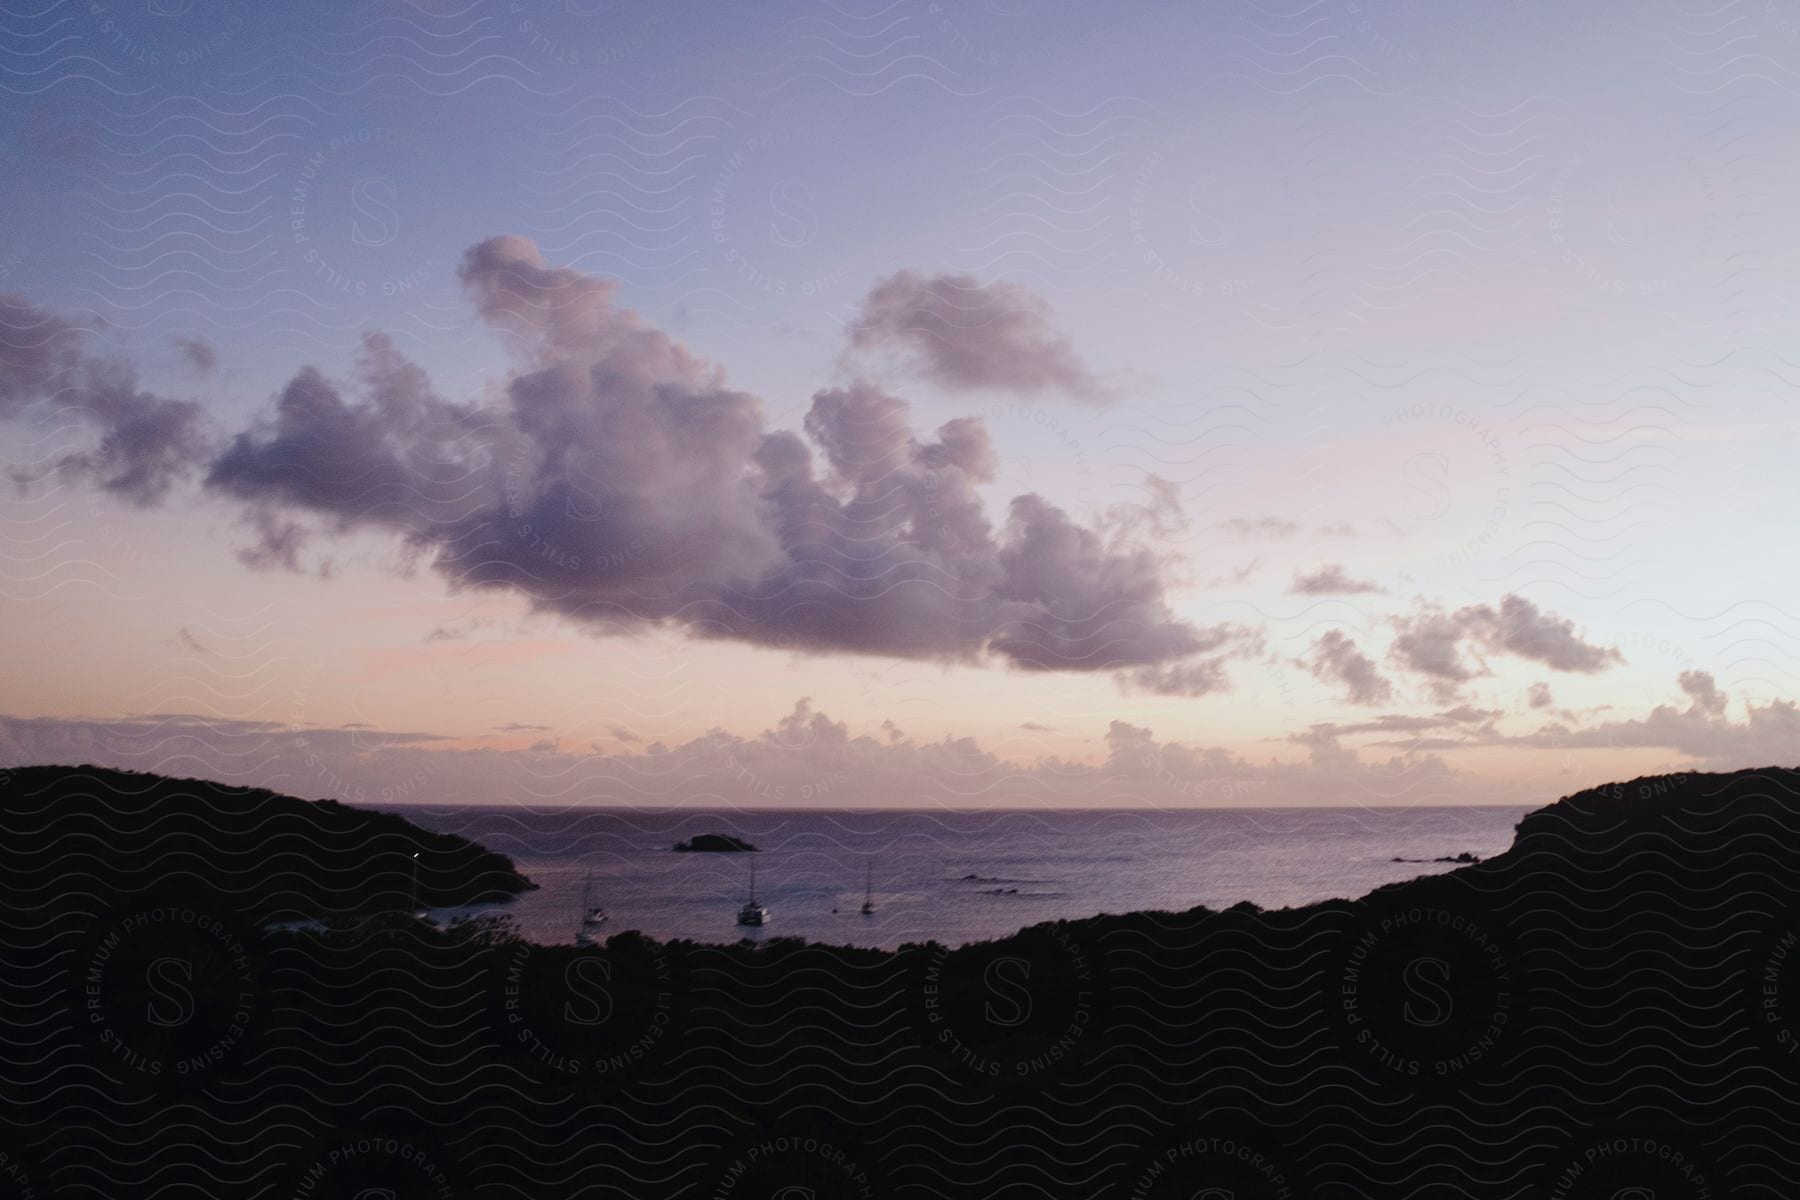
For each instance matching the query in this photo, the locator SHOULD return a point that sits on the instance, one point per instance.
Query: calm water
(950, 876)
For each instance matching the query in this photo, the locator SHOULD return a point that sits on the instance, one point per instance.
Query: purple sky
(595, 401)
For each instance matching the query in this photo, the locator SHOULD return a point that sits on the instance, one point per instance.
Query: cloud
(1700, 688)
(143, 444)
(1330, 580)
(38, 351)
(198, 353)
(397, 458)
(623, 484)
(189, 642)
(1703, 730)
(1521, 628)
(1260, 527)
(1396, 724)
(1432, 643)
(1539, 695)
(804, 758)
(1335, 659)
(964, 335)
(1201, 676)
(1269, 528)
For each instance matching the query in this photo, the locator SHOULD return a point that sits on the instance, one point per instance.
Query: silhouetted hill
(1608, 1010)
(85, 836)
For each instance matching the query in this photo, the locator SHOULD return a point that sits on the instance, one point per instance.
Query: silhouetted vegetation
(265, 856)
(1614, 1003)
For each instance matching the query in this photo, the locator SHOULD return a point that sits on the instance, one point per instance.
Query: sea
(947, 876)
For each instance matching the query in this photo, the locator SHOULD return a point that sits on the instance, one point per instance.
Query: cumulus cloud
(1430, 644)
(1707, 699)
(1330, 580)
(622, 484)
(141, 444)
(963, 335)
(395, 457)
(1539, 696)
(1521, 628)
(804, 758)
(1336, 660)
(1439, 646)
(1703, 730)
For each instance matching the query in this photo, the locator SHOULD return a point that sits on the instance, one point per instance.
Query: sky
(905, 403)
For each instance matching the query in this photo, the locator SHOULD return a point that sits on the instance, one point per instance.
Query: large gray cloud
(623, 483)
(962, 334)
(141, 444)
(397, 457)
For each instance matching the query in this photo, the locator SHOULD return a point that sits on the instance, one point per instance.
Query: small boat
(752, 913)
(419, 911)
(592, 916)
(868, 907)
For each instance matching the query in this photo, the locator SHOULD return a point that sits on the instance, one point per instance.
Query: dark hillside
(1609, 1009)
(76, 837)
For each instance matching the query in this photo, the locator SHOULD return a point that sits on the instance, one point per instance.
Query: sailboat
(419, 911)
(592, 915)
(752, 913)
(868, 907)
